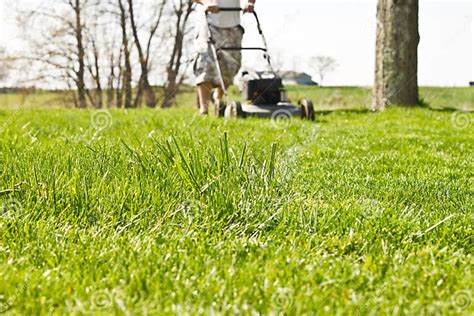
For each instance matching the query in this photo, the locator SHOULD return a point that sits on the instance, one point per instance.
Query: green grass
(139, 212)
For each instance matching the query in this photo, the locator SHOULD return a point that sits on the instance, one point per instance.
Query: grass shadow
(358, 110)
(448, 110)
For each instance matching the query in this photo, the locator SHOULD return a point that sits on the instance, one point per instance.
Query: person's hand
(211, 7)
(249, 7)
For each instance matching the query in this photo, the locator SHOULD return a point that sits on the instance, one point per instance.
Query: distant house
(297, 78)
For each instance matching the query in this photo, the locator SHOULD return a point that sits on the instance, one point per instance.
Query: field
(152, 211)
(327, 98)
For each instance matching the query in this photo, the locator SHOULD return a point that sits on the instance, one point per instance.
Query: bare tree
(95, 69)
(396, 73)
(278, 61)
(144, 86)
(182, 11)
(127, 71)
(94, 48)
(119, 90)
(58, 44)
(116, 44)
(322, 66)
(77, 28)
(113, 79)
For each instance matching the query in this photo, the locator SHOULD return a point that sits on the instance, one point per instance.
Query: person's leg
(219, 101)
(220, 94)
(204, 92)
(205, 67)
(230, 61)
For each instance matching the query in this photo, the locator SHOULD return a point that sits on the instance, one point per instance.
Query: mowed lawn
(152, 211)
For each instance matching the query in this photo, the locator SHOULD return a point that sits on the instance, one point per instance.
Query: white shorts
(205, 65)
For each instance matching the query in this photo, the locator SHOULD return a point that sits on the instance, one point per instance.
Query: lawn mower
(264, 92)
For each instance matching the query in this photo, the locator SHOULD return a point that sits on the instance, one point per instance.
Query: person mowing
(227, 32)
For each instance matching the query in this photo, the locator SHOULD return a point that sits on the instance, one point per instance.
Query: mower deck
(270, 110)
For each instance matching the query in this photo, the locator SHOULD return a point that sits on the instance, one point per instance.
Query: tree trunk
(111, 81)
(95, 73)
(182, 13)
(396, 69)
(100, 98)
(171, 89)
(144, 86)
(119, 91)
(81, 86)
(127, 72)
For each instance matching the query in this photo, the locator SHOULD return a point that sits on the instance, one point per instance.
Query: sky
(344, 29)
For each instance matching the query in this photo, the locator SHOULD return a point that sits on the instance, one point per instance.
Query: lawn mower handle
(230, 9)
(215, 50)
